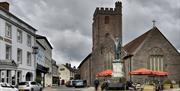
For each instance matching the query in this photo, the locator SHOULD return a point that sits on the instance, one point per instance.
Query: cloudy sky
(68, 23)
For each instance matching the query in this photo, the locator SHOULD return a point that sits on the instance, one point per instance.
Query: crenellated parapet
(109, 11)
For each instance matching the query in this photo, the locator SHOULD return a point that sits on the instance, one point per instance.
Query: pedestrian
(104, 85)
(96, 84)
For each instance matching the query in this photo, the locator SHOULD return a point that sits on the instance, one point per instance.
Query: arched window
(106, 20)
(156, 59)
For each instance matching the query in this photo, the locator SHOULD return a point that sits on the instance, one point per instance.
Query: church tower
(106, 22)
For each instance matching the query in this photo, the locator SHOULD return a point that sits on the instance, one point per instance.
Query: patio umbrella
(141, 71)
(104, 73)
(160, 73)
(107, 72)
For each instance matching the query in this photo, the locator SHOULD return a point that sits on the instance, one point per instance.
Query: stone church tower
(107, 23)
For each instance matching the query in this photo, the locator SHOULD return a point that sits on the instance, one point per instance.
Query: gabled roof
(70, 68)
(132, 46)
(84, 60)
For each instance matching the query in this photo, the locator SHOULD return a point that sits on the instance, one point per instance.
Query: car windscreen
(23, 83)
(33, 83)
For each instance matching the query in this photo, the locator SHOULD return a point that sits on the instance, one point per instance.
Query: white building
(66, 73)
(17, 39)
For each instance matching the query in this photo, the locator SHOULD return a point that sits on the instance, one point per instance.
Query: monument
(116, 81)
(117, 63)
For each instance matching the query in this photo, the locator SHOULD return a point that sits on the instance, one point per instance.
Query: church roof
(132, 46)
(85, 60)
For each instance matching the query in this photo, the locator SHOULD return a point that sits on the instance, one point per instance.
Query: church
(151, 50)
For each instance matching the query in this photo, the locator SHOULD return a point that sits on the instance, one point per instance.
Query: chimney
(4, 5)
(67, 64)
(70, 65)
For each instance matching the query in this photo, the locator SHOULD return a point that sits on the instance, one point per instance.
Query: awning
(8, 64)
(42, 68)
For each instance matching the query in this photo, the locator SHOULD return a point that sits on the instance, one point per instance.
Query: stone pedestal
(116, 81)
(117, 69)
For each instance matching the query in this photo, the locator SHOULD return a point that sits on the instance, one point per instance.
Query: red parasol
(104, 73)
(141, 71)
(160, 73)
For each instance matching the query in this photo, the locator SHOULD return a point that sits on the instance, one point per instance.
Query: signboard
(40, 57)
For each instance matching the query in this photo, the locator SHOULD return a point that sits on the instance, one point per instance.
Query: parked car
(80, 83)
(7, 87)
(29, 86)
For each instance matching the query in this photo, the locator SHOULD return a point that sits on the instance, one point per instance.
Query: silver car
(29, 86)
(7, 87)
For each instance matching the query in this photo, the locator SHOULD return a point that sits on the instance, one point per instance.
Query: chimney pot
(4, 5)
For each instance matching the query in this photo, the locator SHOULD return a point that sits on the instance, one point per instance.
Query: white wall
(23, 67)
(65, 74)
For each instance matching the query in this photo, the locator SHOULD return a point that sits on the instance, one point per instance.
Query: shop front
(40, 74)
(8, 72)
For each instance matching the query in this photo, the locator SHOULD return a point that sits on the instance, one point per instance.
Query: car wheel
(40, 89)
(32, 89)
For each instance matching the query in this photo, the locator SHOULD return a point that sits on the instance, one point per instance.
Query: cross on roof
(154, 23)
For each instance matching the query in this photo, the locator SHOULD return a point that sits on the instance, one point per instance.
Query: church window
(156, 62)
(106, 21)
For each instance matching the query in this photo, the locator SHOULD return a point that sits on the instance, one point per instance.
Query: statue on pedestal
(117, 64)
